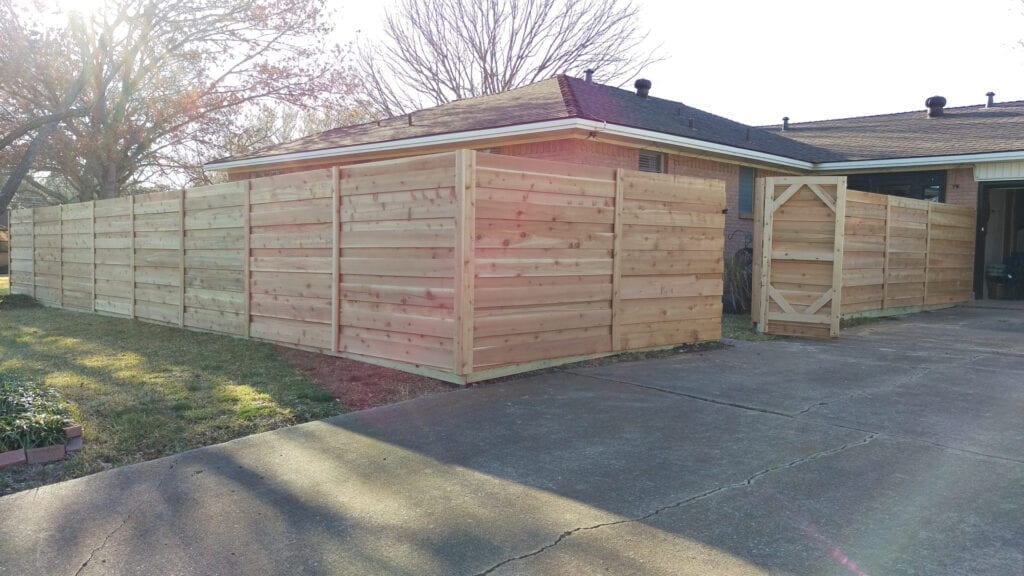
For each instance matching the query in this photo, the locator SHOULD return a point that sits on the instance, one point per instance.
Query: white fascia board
(694, 144)
(920, 161)
(518, 130)
(434, 140)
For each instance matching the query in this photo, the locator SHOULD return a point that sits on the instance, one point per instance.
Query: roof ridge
(572, 104)
(915, 111)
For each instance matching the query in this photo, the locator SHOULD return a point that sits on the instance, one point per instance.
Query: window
(921, 185)
(651, 161)
(746, 194)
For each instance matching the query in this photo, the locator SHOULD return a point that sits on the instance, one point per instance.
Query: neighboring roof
(625, 108)
(560, 97)
(962, 130)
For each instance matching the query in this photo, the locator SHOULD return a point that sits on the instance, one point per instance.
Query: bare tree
(436, 51)
(159, 84)
(37, 92)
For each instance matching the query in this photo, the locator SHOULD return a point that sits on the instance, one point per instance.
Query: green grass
(144, 391)
(738, 327)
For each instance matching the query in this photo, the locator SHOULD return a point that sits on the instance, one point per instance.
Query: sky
(757, 61)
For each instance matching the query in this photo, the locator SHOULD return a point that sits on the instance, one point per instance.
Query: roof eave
(919, 161)
(513, 131)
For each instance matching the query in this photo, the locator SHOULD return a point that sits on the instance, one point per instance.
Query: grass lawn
(5, 285)
(144, 391)
(738, 327)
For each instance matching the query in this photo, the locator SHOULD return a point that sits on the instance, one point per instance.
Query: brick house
(971, 155)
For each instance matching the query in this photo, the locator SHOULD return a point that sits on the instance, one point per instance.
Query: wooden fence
(5, 256)
(823, 253)
(462, 266)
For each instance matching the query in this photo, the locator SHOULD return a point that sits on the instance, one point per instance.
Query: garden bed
(35, 424)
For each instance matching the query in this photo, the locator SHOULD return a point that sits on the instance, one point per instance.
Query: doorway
(999, 260)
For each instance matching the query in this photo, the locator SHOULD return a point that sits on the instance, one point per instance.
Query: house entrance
(999, 265)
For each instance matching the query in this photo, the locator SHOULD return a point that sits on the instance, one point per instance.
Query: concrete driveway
(898, 449)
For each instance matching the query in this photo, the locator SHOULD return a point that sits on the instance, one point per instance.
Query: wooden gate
(798, 258)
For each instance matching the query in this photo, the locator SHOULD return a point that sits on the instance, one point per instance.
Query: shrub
(31, 416)
(13, 301)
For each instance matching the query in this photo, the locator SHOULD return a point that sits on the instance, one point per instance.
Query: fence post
(92, 236)
(927, 254)
(465, 259)
(755, 264)
(60, 255)
(131, 256)
(887, 236)
(617, 263)
(765, 222)
(181, 260)
(335, 256)
(33, 245)
(837, 256)
(246, 264)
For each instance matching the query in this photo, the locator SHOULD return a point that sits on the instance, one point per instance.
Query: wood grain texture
(453, 264)
(897, 254)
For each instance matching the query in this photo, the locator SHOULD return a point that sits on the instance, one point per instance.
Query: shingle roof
(533, 103)
(625, 108)
(962, 130)
(911, 134)
(556, 98)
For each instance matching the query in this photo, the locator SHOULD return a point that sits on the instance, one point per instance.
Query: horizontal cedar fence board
(560, 260)
(898, 254)
(543, 241)
(669, 261)
(445, 264)
(397, 272)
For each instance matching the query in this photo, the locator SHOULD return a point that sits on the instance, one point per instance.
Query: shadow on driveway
(787, 457)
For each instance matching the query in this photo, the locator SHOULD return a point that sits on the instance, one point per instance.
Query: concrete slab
(450, 484)
(887, 506)
(895, 450)
(783, 377)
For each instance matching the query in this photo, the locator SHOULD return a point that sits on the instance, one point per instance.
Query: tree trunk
(24, 165)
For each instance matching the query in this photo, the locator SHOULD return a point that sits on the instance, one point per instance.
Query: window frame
(661, 158)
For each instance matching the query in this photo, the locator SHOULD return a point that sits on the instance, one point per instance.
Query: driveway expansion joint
(683, 394)
(124, 522)
(750, 480)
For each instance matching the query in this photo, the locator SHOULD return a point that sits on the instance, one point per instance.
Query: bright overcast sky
(757, 61)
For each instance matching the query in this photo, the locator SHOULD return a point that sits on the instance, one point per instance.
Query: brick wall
(961, 189)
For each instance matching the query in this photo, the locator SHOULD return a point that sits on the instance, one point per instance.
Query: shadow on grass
(144, 391)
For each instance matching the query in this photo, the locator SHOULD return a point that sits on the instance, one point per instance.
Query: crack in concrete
(684, 502)
(684, 394)
(794, 416)
(866, 393)
(123, 523)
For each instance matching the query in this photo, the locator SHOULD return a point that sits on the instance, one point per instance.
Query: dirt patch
(359, 385)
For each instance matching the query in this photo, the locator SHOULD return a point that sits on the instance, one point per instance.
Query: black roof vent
(935, 105)
(991, 99)
(643, 87)
(785, 123)
(589, 73)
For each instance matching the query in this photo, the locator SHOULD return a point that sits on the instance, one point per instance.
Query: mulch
(358, 385)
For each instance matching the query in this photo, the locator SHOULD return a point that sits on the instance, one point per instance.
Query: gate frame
(763, 227)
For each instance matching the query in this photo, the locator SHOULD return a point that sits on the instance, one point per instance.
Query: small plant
(738, 275)
(31, 416)
(41, 430)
